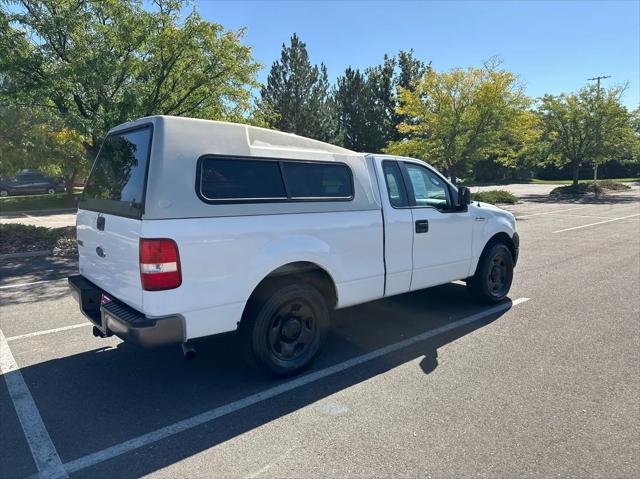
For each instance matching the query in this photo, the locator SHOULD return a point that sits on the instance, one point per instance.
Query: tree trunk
(576, 172)
(69, 182)
(452, 175)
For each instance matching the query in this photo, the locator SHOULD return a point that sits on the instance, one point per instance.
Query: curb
(28, 254)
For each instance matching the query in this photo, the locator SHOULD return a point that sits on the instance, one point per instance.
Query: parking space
(428, 383)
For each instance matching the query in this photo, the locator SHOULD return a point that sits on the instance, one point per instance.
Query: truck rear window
(117, 181)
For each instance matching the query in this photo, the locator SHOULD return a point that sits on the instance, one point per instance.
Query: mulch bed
(17, 238)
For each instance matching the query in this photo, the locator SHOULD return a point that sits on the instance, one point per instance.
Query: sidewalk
(48, 218)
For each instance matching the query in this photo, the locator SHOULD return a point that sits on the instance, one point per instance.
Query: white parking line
(43, 451)
(577, 216)
(186, 424)
(551, 212)
(21, 285)
(49, 331)
(598, 223)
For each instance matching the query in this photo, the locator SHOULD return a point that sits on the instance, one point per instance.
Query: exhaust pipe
(188, 351)
(97, 333)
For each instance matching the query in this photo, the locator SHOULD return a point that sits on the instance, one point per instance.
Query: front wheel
(494, 274)
(284, 326)
(4, 193)
(51, 191)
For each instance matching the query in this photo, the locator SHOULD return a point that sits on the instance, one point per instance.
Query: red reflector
(159, 264)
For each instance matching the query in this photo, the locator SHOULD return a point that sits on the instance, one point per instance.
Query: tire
(494, 274)
(283, 327)
(4, 193)
(51, 191)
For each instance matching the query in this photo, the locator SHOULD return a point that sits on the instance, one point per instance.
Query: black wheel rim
(292, 330)
(498, 275)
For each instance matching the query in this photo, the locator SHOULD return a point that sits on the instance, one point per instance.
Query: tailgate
(109, 256)
(110, 214)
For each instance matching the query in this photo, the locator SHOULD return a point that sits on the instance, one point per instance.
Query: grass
(18, 238)
(495, 197)
(584, 188)
(38, 202)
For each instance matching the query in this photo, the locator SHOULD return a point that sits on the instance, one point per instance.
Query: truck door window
(428, 188)
(395, 185)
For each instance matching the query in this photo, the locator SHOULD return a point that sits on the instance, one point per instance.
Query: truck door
(398, 228)
(442, 235)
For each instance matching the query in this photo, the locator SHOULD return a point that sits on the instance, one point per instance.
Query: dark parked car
(30, 183)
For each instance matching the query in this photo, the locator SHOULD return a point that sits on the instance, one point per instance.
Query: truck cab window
(395, 186)
(428, 188)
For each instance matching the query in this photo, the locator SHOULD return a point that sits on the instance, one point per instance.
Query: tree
(381, 108)
(296, 96)
(519, 146)
(364, 107)
(591, 126)
(101, 63)
(459, 116)
(411, 70)
(350, 97)
(35, 139)
(365, 104)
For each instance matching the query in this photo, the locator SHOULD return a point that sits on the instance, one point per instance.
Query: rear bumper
(115, 317)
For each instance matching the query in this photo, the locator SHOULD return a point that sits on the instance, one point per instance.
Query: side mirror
(464, 196)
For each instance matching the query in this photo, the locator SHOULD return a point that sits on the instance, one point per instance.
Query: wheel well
(503, 238)
(302, 271)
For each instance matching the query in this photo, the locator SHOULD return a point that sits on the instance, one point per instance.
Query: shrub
(495, 196)
(581, 189)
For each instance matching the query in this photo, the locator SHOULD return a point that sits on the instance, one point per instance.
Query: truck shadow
(95, 399)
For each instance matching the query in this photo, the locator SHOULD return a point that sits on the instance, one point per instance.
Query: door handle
(422, 226)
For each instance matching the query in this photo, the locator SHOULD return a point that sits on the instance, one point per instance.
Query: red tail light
(159, 264)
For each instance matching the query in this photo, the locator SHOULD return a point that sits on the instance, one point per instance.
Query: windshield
(117, 181)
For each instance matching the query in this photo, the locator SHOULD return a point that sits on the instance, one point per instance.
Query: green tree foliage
(590, 127)
(351, 97)
(98, 63)
(365, 104)
(381, 107)
(460, 116)
(296, 96)
(36, 139)
(410, 71)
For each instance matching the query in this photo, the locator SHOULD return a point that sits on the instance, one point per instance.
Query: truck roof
(253, 136)
(179, 144)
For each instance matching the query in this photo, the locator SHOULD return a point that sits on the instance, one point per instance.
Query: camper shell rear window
(224, 180)
(117, 182)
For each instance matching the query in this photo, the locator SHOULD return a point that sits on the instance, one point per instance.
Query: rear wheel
(284, 326)
(4, 193)
(494, 274)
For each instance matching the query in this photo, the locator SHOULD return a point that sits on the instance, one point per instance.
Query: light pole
(598, 133)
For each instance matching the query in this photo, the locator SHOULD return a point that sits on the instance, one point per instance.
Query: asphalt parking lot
(425, 384)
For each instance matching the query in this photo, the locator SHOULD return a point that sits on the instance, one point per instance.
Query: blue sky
(554, 46)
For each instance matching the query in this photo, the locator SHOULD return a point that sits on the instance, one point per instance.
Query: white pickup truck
(189, 228)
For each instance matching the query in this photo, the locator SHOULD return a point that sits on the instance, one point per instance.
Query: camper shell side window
(228, 180)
